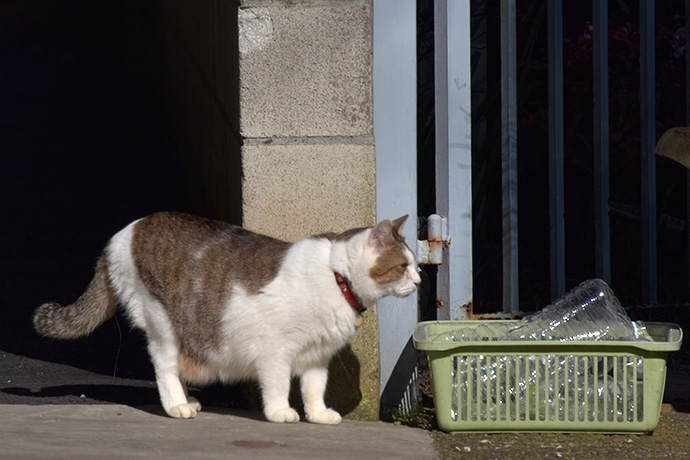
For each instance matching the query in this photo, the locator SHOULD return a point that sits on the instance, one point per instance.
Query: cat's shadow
(242, 399)
(140, 398)
(85, 394)
(240, 413)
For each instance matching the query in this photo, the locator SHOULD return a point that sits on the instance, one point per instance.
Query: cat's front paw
(183, 411)
(326, 417)
(286, 415)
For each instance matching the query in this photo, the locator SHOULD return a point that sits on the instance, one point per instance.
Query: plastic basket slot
(547, 387)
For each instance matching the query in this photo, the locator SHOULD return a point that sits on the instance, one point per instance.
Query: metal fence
(395, 128)
(601, 143)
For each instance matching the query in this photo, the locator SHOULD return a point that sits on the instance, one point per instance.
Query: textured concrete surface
(305, 69)
(114, 432)
(57, 411)
(293, 191)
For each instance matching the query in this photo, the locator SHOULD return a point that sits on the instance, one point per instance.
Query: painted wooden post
(395, 133)
(454, 152)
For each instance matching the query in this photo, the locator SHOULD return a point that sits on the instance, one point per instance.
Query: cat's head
(382, 264)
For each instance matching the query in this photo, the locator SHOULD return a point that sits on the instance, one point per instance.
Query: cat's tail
(96, 304)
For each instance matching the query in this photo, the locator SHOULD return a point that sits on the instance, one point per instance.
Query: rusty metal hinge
(430, 251)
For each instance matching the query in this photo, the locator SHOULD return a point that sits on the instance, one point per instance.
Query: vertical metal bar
(395, 125)
(556, 178)
(687, 123)
(454, 151)
(648, 160)
(602, 227)
(509, 169)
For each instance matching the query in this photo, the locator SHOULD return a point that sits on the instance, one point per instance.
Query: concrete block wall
(308, 151)
(272, 102)
(306, 114)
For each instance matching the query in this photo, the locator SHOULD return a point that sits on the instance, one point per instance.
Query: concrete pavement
(122, 432)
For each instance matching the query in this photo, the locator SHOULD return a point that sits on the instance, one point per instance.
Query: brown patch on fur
(392, 263)
(191, 265)
(390, 266)
(190, 370)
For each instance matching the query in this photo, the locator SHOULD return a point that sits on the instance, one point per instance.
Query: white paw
(196, 405)
(182, 411)
(326, 417)
(286, 415)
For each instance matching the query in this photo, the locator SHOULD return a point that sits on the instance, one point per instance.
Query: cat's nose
(416, 279)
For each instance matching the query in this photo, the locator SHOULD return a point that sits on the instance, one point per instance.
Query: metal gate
(395, 125)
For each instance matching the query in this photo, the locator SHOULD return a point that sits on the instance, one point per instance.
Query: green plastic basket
(496, 386)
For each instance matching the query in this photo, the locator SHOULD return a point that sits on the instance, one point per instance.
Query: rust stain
(255, 443)
(469, 313)
(468, 307)
(491, 316)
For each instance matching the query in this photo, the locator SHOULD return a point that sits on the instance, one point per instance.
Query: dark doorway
(85, 148)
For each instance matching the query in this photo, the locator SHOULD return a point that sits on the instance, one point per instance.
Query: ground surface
(670, 440)
(30, 381)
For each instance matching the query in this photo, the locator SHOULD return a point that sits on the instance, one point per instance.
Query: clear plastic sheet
(590, 312)
(548, 387)
(553, 387)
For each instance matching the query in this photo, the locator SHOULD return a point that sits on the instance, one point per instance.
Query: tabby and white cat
(220, 303)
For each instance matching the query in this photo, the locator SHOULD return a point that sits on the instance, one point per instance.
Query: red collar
(349, 295)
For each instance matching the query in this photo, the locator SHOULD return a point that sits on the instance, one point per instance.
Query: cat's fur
(218, 302)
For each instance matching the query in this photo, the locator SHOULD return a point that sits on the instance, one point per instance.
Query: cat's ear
(398, 224)
(381, 234)
(385, 231)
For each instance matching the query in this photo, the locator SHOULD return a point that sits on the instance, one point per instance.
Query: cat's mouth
(406, 291)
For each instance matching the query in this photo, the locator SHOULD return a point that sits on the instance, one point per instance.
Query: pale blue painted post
(454, 152)
(395, 128)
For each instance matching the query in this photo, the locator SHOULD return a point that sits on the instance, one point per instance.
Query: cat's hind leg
(190, 371)
(313, 382)
(173, 392)
(191, 400)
